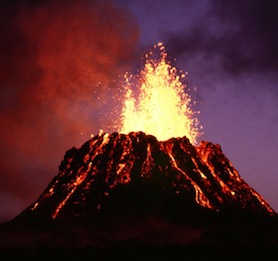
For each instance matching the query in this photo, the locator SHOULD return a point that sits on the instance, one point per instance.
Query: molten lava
(117, 163)
(162, 107)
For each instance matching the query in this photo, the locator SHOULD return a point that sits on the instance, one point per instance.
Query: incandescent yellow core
(161, 106)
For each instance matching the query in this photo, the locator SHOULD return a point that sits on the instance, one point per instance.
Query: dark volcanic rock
(122, 187)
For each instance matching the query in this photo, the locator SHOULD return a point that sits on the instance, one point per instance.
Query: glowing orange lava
(162, 107)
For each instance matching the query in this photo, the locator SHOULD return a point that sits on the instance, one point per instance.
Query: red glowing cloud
(53, 55)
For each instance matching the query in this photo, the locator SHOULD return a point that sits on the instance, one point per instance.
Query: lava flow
(92, 176)
(163, 105)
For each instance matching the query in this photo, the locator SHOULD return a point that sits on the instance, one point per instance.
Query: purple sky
(55, 53)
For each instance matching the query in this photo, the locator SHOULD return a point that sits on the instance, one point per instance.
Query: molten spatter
(163, 105)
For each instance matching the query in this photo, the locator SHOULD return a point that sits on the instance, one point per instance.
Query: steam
(54, 55)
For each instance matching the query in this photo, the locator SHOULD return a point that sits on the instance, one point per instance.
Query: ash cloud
(241, 36)
(53, 56)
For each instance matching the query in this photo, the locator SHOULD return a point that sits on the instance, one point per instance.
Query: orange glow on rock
(162, 107)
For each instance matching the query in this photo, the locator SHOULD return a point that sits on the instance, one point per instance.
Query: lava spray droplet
(157, 101)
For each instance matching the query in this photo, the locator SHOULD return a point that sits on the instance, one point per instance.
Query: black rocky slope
(134, 187)
(200, 176)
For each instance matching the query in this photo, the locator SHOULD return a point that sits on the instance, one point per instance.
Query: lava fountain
(162, 106)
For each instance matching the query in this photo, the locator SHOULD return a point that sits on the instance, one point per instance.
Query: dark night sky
(55, 53)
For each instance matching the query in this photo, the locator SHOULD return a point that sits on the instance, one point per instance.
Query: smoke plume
(54, 55)
(233, 37)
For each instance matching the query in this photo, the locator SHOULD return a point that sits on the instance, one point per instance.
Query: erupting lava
(162, 107)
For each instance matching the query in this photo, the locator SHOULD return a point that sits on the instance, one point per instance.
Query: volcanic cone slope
(119, 187)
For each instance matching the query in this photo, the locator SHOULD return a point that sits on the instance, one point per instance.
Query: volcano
(123, 187)
(137, 169)
(132, 195)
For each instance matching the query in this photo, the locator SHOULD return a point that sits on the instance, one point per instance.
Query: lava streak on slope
(199, 176)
